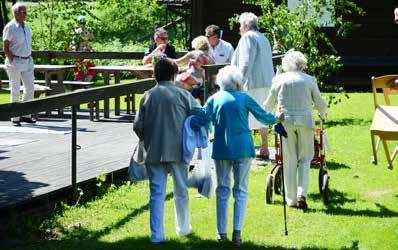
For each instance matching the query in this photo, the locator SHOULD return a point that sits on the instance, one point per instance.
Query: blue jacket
(229, 110)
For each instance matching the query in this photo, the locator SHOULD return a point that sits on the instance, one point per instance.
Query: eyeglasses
(163, 38)
(210, 36)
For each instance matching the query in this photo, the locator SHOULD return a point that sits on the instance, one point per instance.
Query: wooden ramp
(35, 160)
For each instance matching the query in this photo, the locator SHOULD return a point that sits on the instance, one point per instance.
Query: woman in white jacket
(293, 93)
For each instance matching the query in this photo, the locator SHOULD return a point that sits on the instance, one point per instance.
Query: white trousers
(158, 180)
(241, 170)
(20, 69)
(298, 151)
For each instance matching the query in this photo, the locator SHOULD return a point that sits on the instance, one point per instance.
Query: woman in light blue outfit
(233, 147)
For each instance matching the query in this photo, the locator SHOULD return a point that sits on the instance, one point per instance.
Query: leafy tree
(53, 22)
(302, 30)
(128, 19)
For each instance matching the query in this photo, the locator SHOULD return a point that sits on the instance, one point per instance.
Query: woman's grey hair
(158, 32)
(294, 61)
(16, 7)
(229, 77)
(201, 43)
(249, 20)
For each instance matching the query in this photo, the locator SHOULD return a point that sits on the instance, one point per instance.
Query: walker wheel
(322, 171)
(268, 190)
(278, 180)
(325, 193)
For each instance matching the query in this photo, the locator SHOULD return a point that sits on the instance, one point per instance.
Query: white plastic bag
(203, 176)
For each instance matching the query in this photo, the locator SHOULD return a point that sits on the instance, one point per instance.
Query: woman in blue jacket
(233, 147)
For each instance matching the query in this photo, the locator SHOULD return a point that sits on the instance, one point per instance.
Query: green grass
(363, 213)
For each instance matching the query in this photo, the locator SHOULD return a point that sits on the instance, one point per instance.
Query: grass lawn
(363, 212)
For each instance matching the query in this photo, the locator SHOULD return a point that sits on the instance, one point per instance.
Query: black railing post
(74, 149)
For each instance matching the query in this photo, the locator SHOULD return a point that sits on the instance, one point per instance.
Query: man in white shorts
(17, 44)
(253, 56)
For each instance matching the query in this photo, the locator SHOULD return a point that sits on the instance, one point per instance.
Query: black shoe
(16, 123)
(236, 239)
(222, 238)
(27, 120)
(301, 203)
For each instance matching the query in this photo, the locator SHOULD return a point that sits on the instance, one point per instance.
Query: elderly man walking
(159, 123)
(17, 44)
(253, 57)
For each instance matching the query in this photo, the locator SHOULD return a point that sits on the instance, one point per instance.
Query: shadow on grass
(383, 211)
(335, 165)
(346, 121)
(192, 242)
(337, 198)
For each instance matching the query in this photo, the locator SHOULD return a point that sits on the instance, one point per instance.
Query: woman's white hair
(249, 20)
(294, 61)
(16, 7)
(229, 77)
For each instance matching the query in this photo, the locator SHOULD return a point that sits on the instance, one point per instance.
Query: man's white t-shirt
(222, 53)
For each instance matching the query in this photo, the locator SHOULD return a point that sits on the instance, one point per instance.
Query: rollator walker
(274, 179)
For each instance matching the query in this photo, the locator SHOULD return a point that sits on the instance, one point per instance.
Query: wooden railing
(73, 99)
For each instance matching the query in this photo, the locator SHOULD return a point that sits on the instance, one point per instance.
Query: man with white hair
(292, 93)
(253, 57)
(17, 44)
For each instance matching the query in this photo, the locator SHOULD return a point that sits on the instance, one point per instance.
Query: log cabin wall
(206, 12)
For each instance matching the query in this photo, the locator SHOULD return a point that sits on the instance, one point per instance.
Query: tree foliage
(54, 22)
(302, 30)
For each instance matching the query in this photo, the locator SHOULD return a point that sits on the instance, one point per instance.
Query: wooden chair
(385, 119)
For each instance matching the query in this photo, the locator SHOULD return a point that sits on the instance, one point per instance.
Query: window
(325, 20)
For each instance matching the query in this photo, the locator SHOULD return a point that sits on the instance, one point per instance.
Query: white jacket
(293, 94)
(253, 56)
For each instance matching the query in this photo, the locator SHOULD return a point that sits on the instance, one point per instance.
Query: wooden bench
(75, 85)
(39, 90)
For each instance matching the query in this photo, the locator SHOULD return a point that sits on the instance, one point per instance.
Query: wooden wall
(206, 12)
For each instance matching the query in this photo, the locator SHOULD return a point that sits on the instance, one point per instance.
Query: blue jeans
(240, 169)
(158, 180)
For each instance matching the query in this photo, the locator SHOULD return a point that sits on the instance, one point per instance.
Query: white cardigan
(293, 94)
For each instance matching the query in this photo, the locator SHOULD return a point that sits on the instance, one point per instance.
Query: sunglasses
(164, 38)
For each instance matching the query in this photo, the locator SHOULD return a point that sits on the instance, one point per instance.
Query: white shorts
(259, 95)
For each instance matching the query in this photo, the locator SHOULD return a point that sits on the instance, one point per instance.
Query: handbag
(137, 170)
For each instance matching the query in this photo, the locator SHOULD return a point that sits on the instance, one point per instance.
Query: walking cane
(282, 133)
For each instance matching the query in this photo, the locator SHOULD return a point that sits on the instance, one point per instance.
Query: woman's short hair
(229, 77)
(200, 43)
(249, 20)
(294, 61)
(165, 70)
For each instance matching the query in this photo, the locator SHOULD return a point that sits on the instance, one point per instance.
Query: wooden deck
(41, 163)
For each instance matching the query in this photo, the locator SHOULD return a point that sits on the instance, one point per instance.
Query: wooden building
(371, 49)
